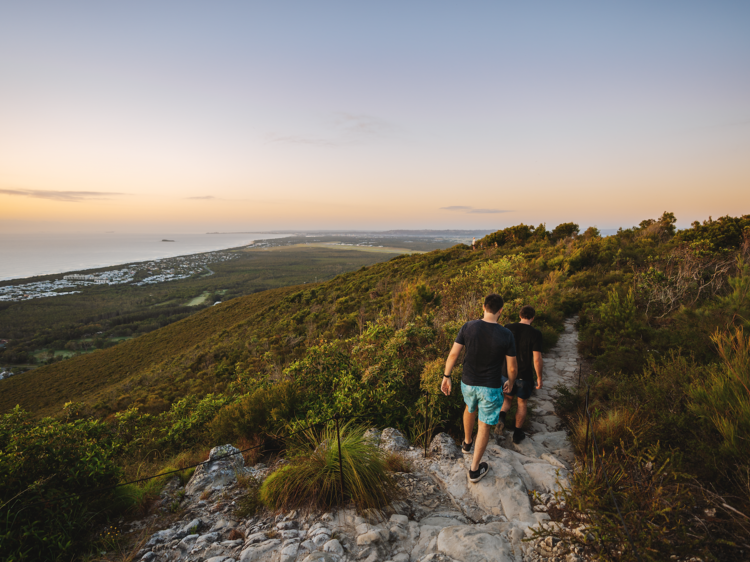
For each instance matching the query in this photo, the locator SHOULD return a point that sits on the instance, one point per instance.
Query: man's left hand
(446, 386)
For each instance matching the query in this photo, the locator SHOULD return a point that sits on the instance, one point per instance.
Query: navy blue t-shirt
(486, 347)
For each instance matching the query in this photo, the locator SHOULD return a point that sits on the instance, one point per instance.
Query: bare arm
(538, 367)
(512, 365)
(449, 364)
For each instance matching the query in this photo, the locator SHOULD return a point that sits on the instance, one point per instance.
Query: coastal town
(136, 274)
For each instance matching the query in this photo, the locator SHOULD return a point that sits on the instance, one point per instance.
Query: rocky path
(440, 516)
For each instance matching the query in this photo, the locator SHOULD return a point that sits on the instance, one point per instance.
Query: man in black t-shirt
(529, 354)
(489, 349)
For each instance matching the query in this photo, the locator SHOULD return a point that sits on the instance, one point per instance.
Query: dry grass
(253, 456)
(612, 428)
(397, 463)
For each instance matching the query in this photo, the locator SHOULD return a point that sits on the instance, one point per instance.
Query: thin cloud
(361, 125)
(202, 197)
(473, 211)
(66, 196)
(488, 211)
(345, 129)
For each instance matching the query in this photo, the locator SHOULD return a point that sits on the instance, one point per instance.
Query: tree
(564, 230)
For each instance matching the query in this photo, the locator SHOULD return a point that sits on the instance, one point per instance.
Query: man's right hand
(446, 386)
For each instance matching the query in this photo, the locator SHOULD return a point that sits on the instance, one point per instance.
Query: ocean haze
(29, 255)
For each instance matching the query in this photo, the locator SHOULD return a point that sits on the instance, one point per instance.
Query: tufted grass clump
(312, 478)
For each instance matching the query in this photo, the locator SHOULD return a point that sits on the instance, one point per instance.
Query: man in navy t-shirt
(530, 364)
(489, 348)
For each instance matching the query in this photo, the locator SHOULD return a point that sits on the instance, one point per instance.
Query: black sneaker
(477, 475)
(518, 436)
(466, 447)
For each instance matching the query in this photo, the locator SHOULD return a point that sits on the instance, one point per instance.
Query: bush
(313, 477)
(442, 410)
(187, 420)
(48, 470)
(724, 398)
(657, 506)
(261, 413)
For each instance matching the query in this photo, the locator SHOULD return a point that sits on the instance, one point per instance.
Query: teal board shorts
(488, 400)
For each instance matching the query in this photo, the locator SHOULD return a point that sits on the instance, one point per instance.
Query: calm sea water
(26, 255)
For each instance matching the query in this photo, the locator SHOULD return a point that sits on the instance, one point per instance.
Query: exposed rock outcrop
(225, 463)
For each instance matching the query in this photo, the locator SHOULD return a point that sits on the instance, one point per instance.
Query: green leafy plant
(49, 470)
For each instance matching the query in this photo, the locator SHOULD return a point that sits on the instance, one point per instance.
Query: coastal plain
(108, 307)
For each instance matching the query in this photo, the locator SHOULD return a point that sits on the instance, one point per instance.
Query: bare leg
(507, 403)
(483, 436)
(469, 420)
(520, 413)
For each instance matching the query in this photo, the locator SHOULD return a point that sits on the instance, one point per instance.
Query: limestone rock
(261, 551)
(443, 446)
(437, 557)
(289, 552)
(372, 435)
(546, 477)
(469, 544)
(218, 472)
(502, 492)
(393, 440)
(186, 544)
(333, 546)
(322, 557)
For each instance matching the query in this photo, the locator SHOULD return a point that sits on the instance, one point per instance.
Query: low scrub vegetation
(663, 318)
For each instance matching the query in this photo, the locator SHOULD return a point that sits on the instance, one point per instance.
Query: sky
(245, 116)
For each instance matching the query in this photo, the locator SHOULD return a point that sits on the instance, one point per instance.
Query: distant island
(165, 240)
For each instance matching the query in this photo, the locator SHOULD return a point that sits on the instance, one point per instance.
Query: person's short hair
(493, 303)
(527, 312)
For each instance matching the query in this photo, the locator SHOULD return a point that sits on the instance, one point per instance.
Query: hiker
(489, 347)
(529, 356)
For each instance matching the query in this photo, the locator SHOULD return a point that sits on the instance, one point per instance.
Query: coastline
(31, 258)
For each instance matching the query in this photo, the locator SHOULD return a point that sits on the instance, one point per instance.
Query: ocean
(27, 255)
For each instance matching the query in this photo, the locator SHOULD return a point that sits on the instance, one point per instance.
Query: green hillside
(662, 320)
(199, 354)
(96, 376)
(40, 330)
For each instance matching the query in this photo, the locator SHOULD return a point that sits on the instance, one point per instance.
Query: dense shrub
(263, 412)
(187, 420)
(48, 470)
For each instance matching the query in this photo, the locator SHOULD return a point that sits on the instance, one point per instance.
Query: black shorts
(521, 389)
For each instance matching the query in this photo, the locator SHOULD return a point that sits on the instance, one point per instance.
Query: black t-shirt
(486, 347)
(528, 340)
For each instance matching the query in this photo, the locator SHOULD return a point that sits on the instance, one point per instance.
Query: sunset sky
(227, 116)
